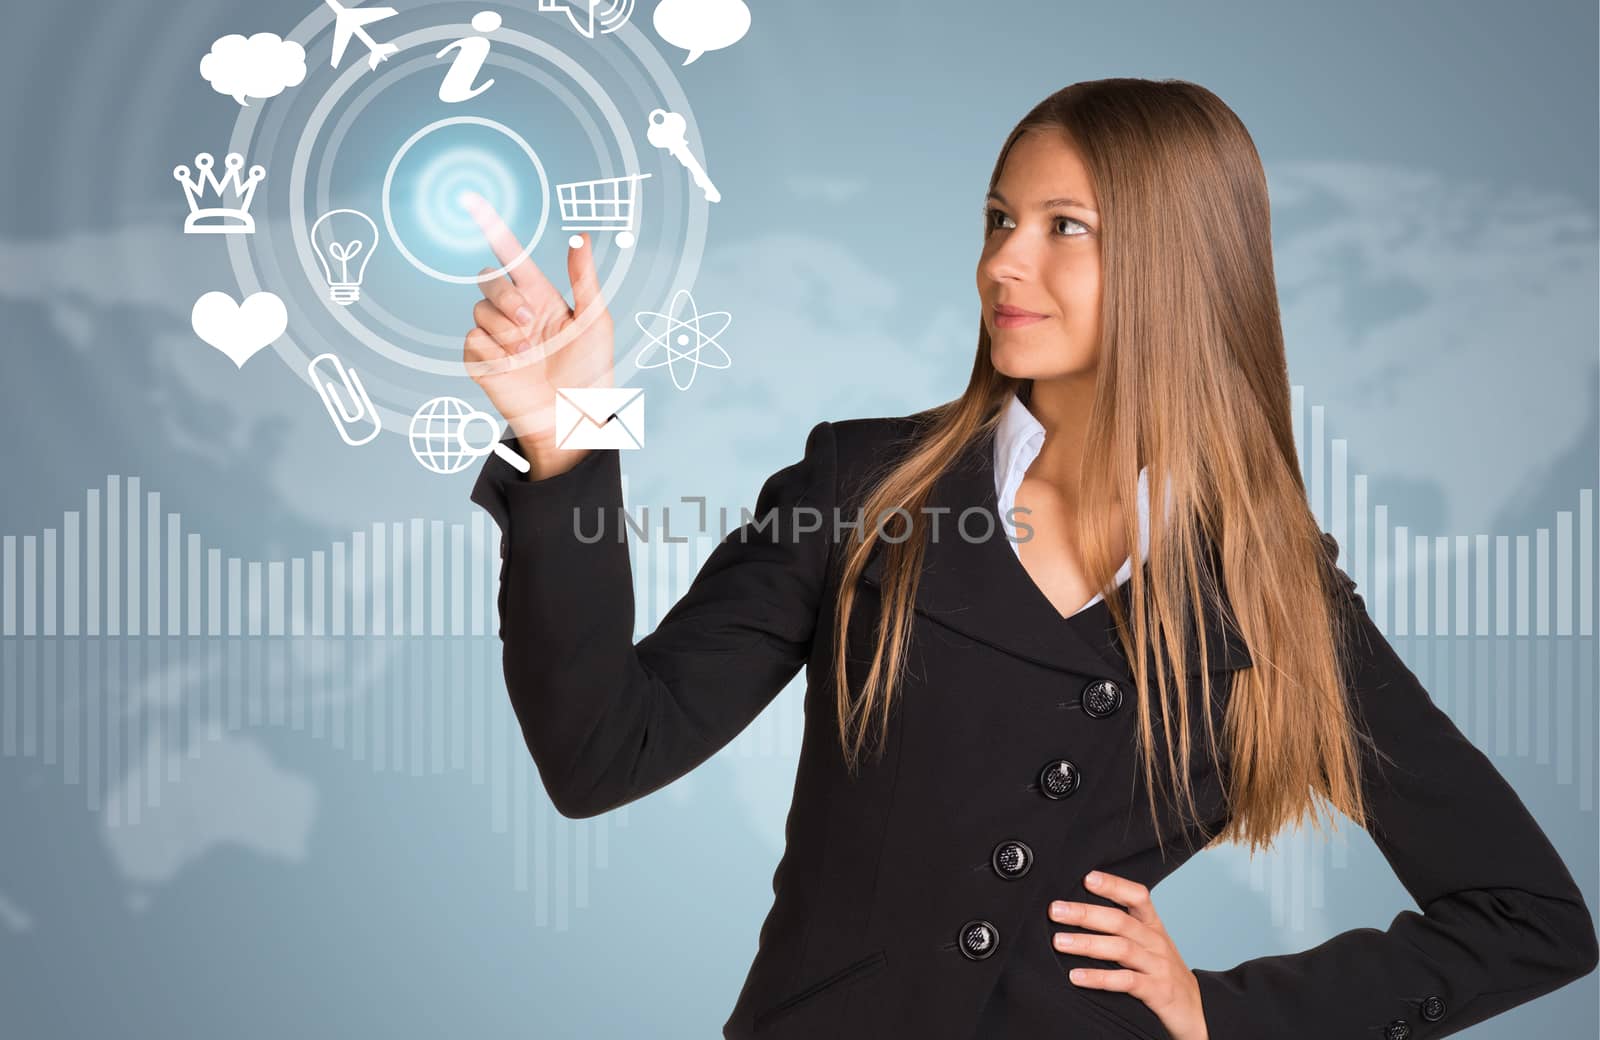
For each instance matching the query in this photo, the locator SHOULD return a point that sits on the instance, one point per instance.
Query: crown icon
(231, 186)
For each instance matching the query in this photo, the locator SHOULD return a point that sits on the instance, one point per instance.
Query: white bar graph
(69, 574)
(114, 567)
(1506, 619)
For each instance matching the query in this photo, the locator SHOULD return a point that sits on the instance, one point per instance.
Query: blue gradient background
(1434, 175)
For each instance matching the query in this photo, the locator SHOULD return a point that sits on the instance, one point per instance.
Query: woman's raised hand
(526, 340)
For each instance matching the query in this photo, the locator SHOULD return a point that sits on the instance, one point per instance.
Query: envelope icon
(600, 417)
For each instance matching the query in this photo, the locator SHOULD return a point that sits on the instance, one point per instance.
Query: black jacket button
(979, 939)
(1433, 1009)
(1012, 859)
(1101, 698)
(1059, 779)
(1397, 1030)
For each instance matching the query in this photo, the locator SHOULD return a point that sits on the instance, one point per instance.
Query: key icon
(667, 131)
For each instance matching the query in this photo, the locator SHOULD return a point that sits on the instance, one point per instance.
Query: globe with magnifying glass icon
(448, 435)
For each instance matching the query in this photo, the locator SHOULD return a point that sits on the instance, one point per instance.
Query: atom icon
(675, 333)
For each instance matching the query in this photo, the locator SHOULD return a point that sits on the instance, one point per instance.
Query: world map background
(1433, 177)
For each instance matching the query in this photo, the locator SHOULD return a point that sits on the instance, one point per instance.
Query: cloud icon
(702, 25)
(263, 66)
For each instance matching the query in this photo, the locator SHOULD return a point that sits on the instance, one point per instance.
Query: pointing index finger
(525, 274)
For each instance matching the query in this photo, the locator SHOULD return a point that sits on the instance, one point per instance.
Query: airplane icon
(349, 21)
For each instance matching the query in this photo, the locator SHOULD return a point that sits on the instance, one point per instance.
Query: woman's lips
(1014, 318)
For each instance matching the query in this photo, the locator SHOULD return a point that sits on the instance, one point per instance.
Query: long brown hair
(1192, 382)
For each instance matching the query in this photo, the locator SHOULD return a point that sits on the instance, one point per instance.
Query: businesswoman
(1086, 625)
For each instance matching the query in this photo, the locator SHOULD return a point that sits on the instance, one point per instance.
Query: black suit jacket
(912, 900)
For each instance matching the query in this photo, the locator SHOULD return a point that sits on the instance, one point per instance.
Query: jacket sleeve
(609, 721)
(1502, 920)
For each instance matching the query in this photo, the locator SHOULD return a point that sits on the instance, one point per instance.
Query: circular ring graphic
(446, 176)
(319, 179)
(310, 132)
(517, 139)
(259, 262)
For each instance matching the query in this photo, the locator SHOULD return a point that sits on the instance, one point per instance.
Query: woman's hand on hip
(1135, 937)
(526, 341)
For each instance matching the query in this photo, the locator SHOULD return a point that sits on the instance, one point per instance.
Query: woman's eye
(1067, 227)
(989, 215)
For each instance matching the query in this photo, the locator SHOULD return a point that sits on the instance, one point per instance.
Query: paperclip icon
(332, 400)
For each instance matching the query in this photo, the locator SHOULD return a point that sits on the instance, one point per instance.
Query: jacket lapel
(976, 585)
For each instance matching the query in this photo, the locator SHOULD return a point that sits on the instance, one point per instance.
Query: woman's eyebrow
(1048, 203)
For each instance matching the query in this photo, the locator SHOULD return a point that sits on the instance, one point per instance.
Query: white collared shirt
(1016, 444)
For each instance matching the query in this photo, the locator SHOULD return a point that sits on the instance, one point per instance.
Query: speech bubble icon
(261, 66)
(702, 25)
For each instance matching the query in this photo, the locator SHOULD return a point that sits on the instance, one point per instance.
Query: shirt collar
(1017, 441)
(1018, 431)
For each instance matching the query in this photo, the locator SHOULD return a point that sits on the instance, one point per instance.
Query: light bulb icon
(345, 251)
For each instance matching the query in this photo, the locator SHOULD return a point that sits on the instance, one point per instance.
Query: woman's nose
(1011, 260)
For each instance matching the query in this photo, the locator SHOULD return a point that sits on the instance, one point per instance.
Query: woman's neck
(1062, 408)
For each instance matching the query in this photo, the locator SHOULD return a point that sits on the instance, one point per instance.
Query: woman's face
(1041, 254)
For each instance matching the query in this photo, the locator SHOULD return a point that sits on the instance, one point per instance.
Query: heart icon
(239, 330)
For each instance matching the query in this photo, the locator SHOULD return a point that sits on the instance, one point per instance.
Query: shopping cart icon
(603, 205)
